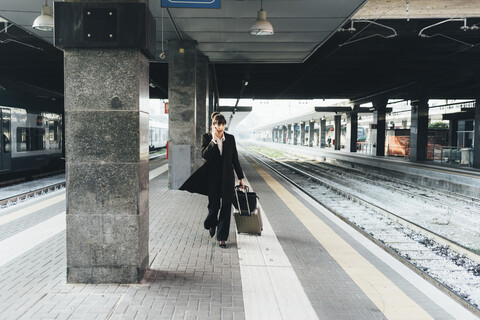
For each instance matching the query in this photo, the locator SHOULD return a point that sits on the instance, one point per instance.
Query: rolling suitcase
(249, 224)
(247, 221)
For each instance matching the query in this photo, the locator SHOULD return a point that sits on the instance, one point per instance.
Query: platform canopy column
(289, 134)
(107, 142)
(211, 95)
(302, 133)
(311, 131)
(452, 132)
(323, 133)
(419, 130)
(476, 137)
(295, 134)
(182, 133)
(379, 119)
(202, 115)
(352, 130)
(338, 127)
(202, 108)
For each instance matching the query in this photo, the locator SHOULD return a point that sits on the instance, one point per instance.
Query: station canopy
(351, 49)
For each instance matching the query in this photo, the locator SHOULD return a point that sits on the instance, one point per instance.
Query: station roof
(307, 58)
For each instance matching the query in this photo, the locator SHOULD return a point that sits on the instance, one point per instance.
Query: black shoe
(222, 245)
(212, 232)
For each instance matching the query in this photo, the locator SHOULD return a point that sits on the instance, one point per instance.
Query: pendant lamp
(44, 22)
(261, 27)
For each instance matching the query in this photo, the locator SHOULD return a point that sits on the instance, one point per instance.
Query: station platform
(459, 179)
(307, 264)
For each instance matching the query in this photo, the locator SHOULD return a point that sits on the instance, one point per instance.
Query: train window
(30, 139)
(54, 132)
(6, 131)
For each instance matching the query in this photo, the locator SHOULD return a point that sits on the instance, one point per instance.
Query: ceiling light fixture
(261, 27)
(44, 22)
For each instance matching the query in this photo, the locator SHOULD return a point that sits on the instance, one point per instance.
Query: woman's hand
(213, 131)
(241, 183)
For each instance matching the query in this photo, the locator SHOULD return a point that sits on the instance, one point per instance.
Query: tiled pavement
(190, 277)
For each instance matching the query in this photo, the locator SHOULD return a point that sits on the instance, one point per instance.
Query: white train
(33, 140)
(30, 140)
(158, 134)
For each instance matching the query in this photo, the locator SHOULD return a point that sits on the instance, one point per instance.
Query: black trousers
(214, 219)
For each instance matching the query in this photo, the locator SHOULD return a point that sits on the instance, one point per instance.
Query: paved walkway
(290, 272)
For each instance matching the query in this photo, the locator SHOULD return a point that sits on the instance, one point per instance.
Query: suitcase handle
(245, 190)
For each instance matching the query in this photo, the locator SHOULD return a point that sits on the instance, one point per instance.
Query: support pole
(181, 114)
(379, 118)
(338, 128)
(323, 133)
(476, 137)
(302, 133)
(419, 130)
(311, 131)
(352, 131)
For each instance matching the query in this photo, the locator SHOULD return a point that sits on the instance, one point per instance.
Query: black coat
(207, 174)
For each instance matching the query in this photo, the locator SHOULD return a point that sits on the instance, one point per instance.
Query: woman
(216, 179)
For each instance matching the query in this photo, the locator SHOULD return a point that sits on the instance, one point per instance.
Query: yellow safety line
(388, 298)
(31, 209)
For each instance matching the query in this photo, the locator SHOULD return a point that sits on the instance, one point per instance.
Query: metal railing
(453, 155)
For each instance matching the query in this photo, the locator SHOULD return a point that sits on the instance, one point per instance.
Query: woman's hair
(219, 119)
(214, 114)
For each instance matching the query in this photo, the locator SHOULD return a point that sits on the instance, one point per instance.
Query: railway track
(453, 266)
(398, 185)
(25, 195)
(13, 179)
(446, 215)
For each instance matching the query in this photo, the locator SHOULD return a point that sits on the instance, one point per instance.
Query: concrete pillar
(352, 131)
(211, 97)
(289, 133)
(302, 133)
(323, 133)
(273, 135)
(106, 147)
(419, 130)
(338, 128)
(181, 120)
(452, 132)
(311, 131)
(476, 136)
(284, 134)
(106, 118)
(295, 134)
(379, 118)
(202, 115)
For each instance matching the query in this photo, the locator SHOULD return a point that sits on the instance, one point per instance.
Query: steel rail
(356, 174)
(25, 195)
